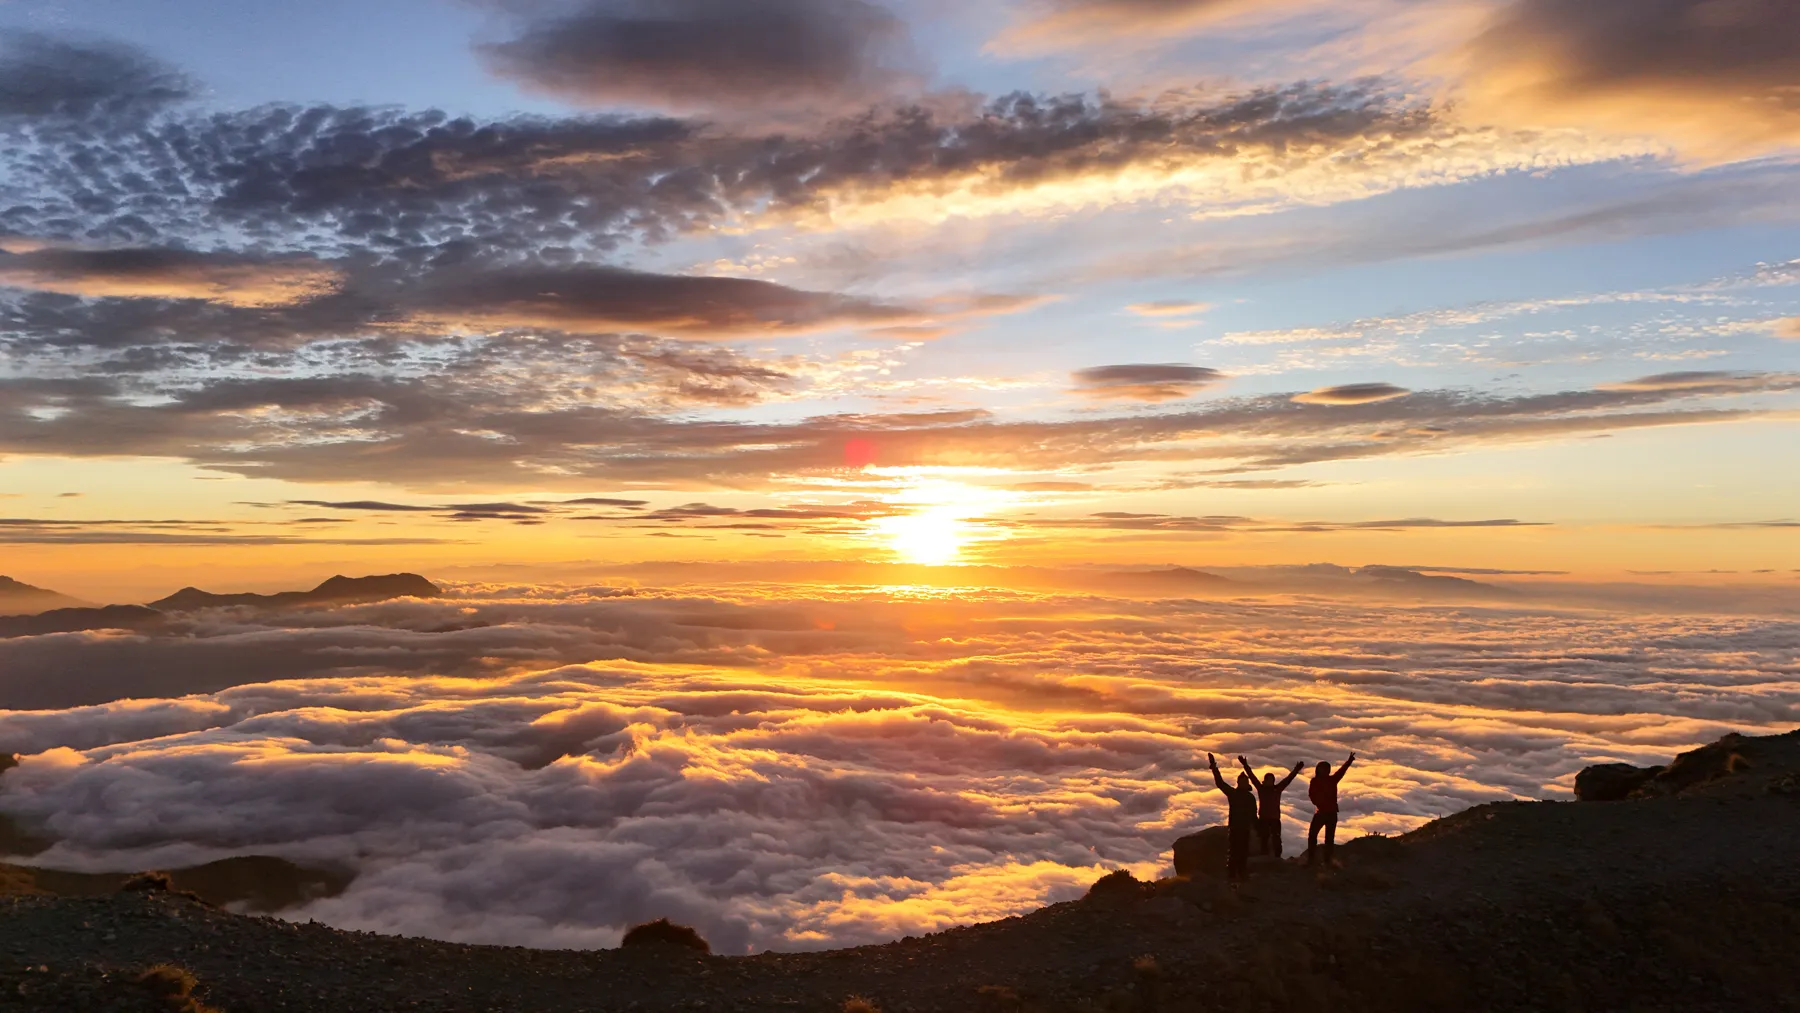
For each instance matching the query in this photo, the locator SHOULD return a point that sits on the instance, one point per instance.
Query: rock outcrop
(1736, 764)
(1203, 853)
(1611, 782)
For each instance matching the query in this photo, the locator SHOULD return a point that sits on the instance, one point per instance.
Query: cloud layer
(807, 767)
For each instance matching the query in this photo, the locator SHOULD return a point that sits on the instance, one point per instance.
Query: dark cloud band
(740, 55)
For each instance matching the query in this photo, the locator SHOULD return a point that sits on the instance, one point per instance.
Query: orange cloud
(1718, 78)
(1694, 381)
(1054, 24)
(1352, 393)
(1169, 308)
(164, 274)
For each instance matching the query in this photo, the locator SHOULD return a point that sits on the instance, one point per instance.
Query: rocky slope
(1685, 899)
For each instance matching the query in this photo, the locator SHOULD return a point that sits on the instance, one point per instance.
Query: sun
(933, 537)
(938, 518)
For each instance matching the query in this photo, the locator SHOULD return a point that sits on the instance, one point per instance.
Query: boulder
(1610, 782)
(1203, 853)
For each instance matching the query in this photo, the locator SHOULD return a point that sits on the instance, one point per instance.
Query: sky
(289, 289)
(801, 403)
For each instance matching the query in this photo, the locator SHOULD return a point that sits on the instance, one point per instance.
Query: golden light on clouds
(164, 274)
(955, 741)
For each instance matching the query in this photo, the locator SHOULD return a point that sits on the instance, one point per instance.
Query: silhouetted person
(1323, 792)
(1240, 822)
(1268, 806)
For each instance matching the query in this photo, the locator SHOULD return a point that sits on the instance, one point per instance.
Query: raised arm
(1290, 778)
(1339, 776)
(1220, 781)
(1249, 770)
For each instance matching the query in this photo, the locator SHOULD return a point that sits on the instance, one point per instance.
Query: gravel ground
(1683, 903)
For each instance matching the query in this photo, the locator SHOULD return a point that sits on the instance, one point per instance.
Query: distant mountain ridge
(109, 617)
(1400, 576)
(1374, 579)
(1174, 580)
(20, 598)
(339, 590)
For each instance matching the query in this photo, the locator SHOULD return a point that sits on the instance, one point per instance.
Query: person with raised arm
(1268, 806)
(1324, 794)
(1240, 821)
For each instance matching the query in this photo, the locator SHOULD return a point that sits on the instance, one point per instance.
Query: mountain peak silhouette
(20, 598)
(338, 590)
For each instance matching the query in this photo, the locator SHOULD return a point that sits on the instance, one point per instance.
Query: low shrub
(147, 882)
(1115, 884)
(663, 932)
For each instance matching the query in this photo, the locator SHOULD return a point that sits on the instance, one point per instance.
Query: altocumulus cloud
(799, 767)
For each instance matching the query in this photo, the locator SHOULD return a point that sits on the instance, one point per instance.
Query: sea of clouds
(799, 767)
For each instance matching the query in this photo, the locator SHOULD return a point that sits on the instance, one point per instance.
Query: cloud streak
(1352, 393)
(1145, 382)
(167, 274)
(419, 431)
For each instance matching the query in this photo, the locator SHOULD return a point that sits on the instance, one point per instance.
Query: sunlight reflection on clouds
(800, 767)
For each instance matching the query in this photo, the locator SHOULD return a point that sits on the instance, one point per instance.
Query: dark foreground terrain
(1683, 897)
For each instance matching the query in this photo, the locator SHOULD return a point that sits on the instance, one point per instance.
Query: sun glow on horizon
(943, 518)
(931, 537)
